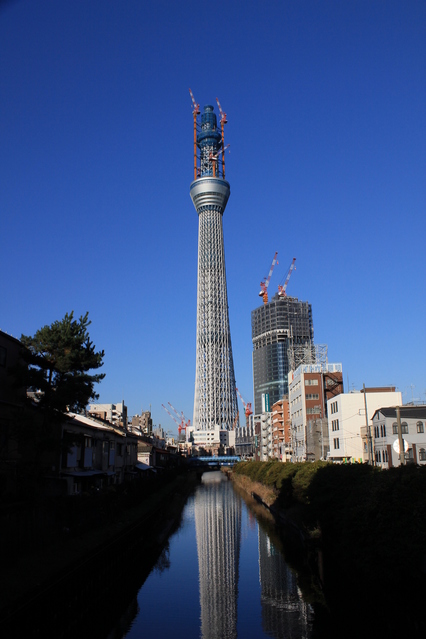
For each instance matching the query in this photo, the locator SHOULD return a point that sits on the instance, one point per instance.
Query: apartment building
(310, 388)
(115, 414)
(281, 430)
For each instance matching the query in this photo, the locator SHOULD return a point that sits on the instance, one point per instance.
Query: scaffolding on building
(301, 354)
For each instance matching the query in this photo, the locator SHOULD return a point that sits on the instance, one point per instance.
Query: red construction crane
(195, 112)
(264, 285)
(185, 423)
(247, 407)
(180, 424)
(223, 121)
(282, 289)
(174, 418)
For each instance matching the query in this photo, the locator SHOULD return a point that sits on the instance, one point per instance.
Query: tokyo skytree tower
(215, 399)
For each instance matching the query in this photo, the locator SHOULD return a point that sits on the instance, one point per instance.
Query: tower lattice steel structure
(215, 399)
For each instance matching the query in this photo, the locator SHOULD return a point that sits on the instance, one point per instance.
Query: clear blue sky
(326, 109)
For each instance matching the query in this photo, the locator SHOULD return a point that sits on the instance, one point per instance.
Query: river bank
(86, 570)
(366, 537)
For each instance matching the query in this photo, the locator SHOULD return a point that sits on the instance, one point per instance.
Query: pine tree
(60, 358)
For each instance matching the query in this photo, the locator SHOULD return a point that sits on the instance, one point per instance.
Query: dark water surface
(220, 576)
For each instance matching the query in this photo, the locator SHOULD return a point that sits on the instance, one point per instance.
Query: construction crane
(282, 289)
(247, 407)
(223, 121)
(264, 285)
(180, 424)
(185, 423)
(174, 418)
(214, 157)
(195, 113)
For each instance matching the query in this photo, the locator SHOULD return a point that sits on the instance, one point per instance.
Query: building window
(336, 443)
(382, 430)
(312, 396)
(404, 428)
(311, 382)
(422, 454)
(313, 411)
(333, 407)
(335, 425)
(420, 427)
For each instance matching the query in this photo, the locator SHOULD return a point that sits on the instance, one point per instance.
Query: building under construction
(281, 329)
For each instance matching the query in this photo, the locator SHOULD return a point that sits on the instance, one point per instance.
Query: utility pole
(370, 459)
(400, 440)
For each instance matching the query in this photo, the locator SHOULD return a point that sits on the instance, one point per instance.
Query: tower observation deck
(215, 398)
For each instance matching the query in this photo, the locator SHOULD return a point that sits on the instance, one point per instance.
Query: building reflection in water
(218, 529)
(284, 613)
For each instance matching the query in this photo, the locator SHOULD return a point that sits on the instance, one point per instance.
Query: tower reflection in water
(218, 530)
(284, 613)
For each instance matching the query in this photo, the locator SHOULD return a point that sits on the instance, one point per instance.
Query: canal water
(220, 577)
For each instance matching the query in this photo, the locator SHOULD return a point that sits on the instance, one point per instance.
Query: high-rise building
(279, 327)
(215, 399)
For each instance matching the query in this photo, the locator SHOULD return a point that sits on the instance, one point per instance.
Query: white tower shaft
(215, 399)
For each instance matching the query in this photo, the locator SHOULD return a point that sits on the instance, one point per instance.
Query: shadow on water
(99, 592)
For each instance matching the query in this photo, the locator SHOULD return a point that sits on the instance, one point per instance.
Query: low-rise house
(385, 435)
(95, 454)
(153, 453)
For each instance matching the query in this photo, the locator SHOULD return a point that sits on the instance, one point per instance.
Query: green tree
(60, 358)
